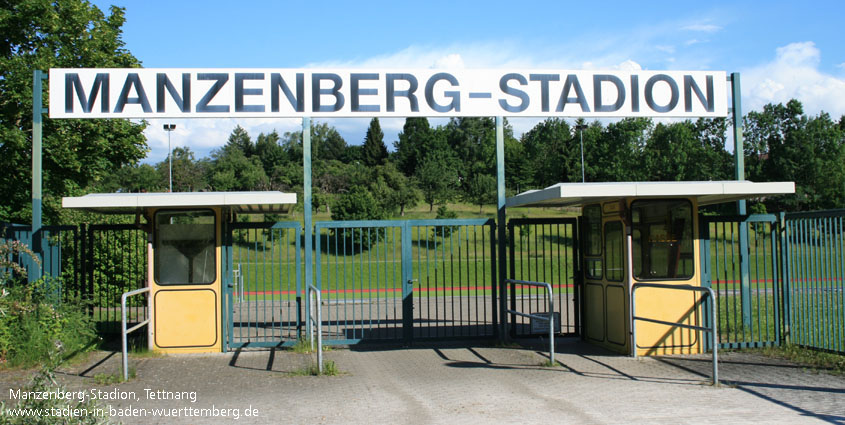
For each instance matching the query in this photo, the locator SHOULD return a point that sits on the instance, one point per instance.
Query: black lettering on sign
(133, 81)
(544, 88)
(220, 80)
(570, 84)
(317, 91)
(100, 86)
(356, 92)
(635, 93)
(392, 93)
(707, 101)
(598, 79)
(512, 91)
(240, 92)
(649, 93)
(454, 105)
(183, 101)
(296, 102)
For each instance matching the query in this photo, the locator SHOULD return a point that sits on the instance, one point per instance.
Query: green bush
(444, 232)
(33, 324)
(358, 204)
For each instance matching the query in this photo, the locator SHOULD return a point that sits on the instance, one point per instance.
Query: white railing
(550, 318)
(316, 323)
(124, 332)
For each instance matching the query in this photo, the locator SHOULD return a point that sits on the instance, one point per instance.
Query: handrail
(550, 318)
(712, 329)
(124, 332)
(317, 324)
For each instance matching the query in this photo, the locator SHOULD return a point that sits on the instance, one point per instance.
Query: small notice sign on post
(539, 326)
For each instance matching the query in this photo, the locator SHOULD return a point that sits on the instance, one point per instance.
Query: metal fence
(424, 279)
(814, 259)
(544, 250)
(114, 262)
(262, 284)
(57, 249)
(748, 287)
(406, 280)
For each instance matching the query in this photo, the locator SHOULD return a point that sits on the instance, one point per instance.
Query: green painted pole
(501, 222)
(37, 122)
(739, 155)
(306, 205)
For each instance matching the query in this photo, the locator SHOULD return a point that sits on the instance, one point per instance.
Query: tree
(614, 153)
(807, 150)
(474, 141)
(240, 140)
(480, 190)
(43, 34)
(518, 166)
(139, 178)
(437, 177)
(394, 189)
(327, 143)
(231, 169)
(189, 175)
(375, 151)
(416, 135)
(553, 151)
(358, 204)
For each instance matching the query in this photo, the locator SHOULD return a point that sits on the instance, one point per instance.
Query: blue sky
(782, 49)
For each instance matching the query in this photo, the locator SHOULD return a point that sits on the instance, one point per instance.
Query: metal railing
(712, 329)
(551, 315)
(124, 332)
(316, 323)
(238, 279)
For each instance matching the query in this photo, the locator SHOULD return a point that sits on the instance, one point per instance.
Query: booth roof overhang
(132, 203)
(706, 192)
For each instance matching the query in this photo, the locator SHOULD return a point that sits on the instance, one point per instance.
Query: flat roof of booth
(707, 192)
(131, 203)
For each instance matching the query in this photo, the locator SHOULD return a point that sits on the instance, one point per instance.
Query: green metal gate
(748, 286)
(406, 280)
(545, 250)
(262, 284)
(814, 259)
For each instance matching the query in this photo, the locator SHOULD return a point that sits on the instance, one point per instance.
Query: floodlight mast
(169, 129)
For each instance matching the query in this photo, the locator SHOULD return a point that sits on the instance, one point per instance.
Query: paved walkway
(465, 384)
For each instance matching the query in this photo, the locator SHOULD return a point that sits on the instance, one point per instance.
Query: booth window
(592, 233)
(614, 252)
(662, 236)
(185, 245)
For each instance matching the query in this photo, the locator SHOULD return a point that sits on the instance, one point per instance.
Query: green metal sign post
(501, 220)
(38, 111)
(306, 205)
(739, 155)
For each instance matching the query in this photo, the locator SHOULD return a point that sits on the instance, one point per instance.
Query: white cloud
(709, 28)
(794, 74)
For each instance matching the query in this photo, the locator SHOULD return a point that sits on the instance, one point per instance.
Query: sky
(782, 50)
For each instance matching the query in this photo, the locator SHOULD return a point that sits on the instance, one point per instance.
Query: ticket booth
(642, 232)
(185, 257)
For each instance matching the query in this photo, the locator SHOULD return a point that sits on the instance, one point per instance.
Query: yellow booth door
(185, 278)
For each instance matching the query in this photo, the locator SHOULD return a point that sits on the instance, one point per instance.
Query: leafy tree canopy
(43, 34)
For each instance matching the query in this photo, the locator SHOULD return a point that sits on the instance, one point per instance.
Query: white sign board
(291, 93)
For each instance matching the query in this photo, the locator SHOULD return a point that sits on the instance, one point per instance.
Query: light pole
(580, 128)
(169, 129)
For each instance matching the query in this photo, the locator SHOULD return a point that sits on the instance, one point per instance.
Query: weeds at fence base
(815, 360)
(113, 378)
(329, 369)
